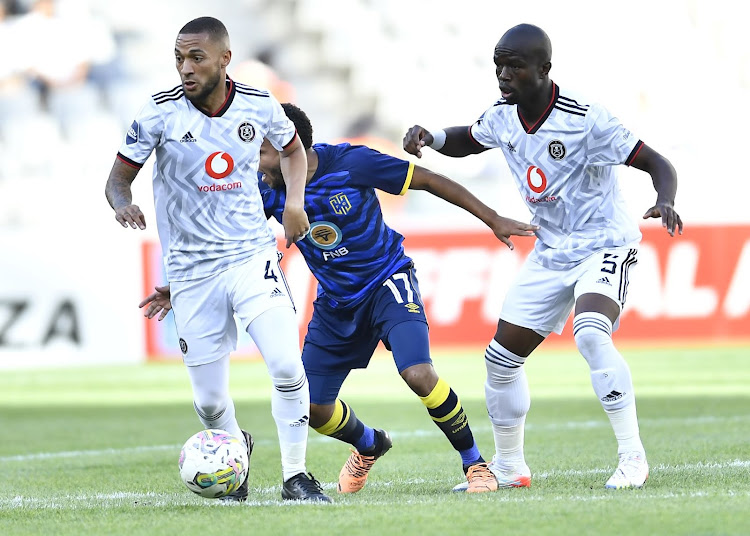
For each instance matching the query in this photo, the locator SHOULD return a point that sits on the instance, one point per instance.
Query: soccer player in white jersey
(220, 254)
(562, 150)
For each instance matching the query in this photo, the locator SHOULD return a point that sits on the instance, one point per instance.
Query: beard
(208, 88)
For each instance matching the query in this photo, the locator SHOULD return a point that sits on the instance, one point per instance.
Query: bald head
(528, 41)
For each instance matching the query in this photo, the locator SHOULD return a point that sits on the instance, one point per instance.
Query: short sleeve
(608, 141)
(143, 135)
(486, 130)
(370, 168)
(281, 130)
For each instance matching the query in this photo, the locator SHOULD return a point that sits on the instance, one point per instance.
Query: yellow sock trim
(438, 395)
(335, 423)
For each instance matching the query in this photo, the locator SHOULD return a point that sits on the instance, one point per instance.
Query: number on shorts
(609, 266)
(269, 272)
(390, 283)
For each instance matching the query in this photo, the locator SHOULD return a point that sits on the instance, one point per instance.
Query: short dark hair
(213, 27)
(301, 122)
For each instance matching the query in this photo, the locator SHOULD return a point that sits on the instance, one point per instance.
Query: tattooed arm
(120, 196)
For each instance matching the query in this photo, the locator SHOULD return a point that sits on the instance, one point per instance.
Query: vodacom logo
(219, 165)
(536, 179)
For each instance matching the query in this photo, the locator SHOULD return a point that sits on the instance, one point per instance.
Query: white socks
(276, 335)
(610, 377)
(211, 398)
(508, 401)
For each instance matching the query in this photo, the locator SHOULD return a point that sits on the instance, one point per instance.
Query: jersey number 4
(269, 273)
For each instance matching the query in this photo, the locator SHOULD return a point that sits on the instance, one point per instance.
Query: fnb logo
(324, 235)
(219, 165)
(340, 203)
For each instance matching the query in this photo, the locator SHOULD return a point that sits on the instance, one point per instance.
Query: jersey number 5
(610, 266)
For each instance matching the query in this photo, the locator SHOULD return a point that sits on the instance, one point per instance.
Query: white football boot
(631, 472)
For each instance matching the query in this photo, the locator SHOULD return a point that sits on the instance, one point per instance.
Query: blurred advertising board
(690, 289)
(62, 299)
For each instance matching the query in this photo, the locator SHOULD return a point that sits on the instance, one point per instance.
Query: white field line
(160, 500)
(314, 438)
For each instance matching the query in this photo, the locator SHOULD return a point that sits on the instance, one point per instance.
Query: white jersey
(209, 211)
(564, 167)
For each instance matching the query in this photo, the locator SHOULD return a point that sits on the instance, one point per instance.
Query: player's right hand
(130, 215)
(416, 138)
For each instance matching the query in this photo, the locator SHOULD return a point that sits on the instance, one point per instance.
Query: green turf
(94, 451)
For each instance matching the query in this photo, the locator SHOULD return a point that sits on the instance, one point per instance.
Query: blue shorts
(339, 340)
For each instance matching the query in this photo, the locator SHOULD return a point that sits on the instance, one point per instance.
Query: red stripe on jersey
(533, 128)
(474, 139)
(132, 163)
(227, 101)
(290, 141)
(634, 152)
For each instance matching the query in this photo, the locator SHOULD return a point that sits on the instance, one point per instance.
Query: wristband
(438, 139)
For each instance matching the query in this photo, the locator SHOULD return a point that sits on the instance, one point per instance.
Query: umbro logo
(187, 138)
(510, 147)
(611, 397)
(276, 293)
(604, 280)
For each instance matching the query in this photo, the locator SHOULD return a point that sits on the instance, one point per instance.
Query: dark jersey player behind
(367, 293)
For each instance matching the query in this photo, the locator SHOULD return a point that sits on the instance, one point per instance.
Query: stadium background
(676, 73)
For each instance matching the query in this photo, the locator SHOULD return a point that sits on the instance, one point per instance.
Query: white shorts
(204, 309)
(542, 299)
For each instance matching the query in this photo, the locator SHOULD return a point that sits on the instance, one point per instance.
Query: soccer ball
(213, 463)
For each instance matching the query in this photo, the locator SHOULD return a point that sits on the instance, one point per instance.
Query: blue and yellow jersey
(349, 249)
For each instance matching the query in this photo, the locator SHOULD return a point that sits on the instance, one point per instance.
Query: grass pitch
(94, 451)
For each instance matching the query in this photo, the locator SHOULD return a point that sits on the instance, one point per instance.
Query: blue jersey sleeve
(372, 169)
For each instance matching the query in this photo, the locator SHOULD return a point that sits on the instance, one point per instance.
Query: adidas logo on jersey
(604, 280)
(276, 293)
(187, 138)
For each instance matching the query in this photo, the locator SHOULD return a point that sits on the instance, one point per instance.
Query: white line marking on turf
(571, 425)
(158, 500)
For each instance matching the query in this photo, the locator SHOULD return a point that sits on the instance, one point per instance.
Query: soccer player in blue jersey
(368, 292)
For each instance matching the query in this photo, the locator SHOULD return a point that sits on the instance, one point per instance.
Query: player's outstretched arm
(449, 190)
(664, 178)
(120, 196)
(158, 302)
(294, 169)
(453, 141)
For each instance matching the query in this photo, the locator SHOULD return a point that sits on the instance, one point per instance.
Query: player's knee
(420, 378)
(503, 366)
(211, 405)
(286, 371)
(592, 332)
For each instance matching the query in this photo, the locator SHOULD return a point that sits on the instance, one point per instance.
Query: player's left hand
(296, 224)
(505, 227)
(158, 302)
(669, 218)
